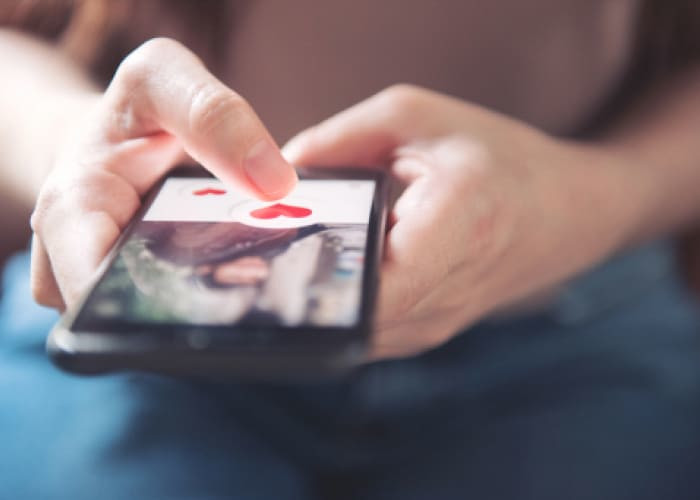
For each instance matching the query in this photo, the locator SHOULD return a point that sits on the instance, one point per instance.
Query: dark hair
(668, 36)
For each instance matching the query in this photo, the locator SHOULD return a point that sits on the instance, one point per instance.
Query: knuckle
(88, 191)
(212, 104)
(131, 81)
(143, 58)
(46, 201)
(84, 192)
(468, 164)
(138, 67)
(401, 98)
(72, 195)
(158, 46)
(133, 70)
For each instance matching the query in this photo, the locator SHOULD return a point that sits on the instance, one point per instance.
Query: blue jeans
(596, 397)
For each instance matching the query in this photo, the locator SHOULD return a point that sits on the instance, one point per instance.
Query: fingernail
(268, 171)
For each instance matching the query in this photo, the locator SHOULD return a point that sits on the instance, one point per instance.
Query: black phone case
(257, 353)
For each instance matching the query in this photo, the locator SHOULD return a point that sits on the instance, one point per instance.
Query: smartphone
(207, 280)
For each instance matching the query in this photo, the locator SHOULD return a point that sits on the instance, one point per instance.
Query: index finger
(162, 86)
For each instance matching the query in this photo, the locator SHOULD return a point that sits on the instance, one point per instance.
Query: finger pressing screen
(162, 86)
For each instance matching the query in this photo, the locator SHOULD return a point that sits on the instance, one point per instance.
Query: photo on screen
(208, 255)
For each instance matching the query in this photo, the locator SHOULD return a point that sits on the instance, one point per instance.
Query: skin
(150, 114)
(493, 211)
(250, 270)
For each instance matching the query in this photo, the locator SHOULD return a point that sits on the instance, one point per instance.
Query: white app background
(209, 200)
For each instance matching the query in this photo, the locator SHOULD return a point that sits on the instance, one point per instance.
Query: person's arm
(659, 139)
(42, 94)
(495, 211)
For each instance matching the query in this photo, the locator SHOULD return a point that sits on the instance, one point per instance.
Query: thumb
(368, 133)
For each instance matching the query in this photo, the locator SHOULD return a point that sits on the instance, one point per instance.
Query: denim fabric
(596, 397)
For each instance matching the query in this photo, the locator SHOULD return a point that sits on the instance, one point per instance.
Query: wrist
(659, 197)
(609, 196)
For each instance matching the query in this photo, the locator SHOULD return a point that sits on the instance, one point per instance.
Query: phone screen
(205, 254)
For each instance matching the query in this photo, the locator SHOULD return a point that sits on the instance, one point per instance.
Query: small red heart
(281, 210)
(206, 191)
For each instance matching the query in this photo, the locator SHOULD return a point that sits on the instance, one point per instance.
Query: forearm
(42, 94)
(658, 145)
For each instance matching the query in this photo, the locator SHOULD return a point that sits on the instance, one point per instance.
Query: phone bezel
(127, 345)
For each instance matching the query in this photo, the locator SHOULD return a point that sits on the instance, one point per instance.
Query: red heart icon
(206, 191)
(280, 210)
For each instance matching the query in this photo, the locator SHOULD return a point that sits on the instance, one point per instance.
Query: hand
(161, 104)
(492, 212)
